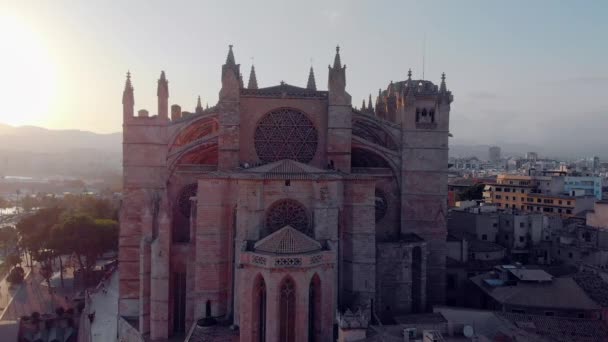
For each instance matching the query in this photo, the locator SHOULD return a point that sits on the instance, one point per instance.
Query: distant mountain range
(41, 152)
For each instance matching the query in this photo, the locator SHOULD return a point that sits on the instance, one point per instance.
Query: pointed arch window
(314, 310)
(259, 310)
(287, 312)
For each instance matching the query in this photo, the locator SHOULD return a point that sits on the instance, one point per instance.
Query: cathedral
(281, 210)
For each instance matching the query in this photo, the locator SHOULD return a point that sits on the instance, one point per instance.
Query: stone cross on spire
(128, 82)
(312, 84)
(253, 81)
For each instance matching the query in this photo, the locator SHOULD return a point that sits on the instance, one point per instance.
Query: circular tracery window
(288, 212)
(184, 199)
(285, 134)
(381, 205)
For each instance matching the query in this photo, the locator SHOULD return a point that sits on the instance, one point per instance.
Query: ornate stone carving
(286, 134)
(288, 262)
(288, 213)
(260, 260)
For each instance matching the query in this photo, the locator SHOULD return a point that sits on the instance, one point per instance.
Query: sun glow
(27, 72)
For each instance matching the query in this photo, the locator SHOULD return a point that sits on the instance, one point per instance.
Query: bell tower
(425, 119)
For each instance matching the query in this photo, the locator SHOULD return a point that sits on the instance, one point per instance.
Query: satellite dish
(468, 331)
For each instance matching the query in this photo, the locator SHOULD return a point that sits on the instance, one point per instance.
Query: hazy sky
(521, 71)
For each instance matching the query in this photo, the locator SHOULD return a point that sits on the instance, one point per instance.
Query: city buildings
(494, 154)
(280, 206)
(539, 194)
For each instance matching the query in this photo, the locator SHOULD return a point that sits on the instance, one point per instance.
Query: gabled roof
(287, 240)
(284, 90)
(291, 169)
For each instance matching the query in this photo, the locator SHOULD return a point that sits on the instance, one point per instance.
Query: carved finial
(206, 105)
(370, 107)
(128, 82)
(230, 58)
(391, 89)
(253, 81)
(337, 62)
(199, 107)
(311, 84)
(409, 74)
(363, 106)
(443, 87)
(163, 85)
(282, 82)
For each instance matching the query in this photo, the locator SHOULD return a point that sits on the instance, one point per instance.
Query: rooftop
(525, 274)
(287, 240)
(560, 293)
(484, 246)
(594, 286)
(559, 329)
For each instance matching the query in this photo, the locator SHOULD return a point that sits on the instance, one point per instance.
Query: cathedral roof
(284, 90)
(287, 240)
(291, 169)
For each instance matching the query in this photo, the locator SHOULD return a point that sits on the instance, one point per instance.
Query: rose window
(285, 134)
(381, 205)
(184, 199)
(288, 212)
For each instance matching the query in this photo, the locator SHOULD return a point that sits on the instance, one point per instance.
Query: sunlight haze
(65, 62)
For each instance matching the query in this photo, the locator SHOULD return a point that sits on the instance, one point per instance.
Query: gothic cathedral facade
(280, 207)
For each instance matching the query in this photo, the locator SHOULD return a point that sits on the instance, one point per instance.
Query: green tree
(86, 237)
(35, 230)
(474, 192)
(8, 238)
(13, 260)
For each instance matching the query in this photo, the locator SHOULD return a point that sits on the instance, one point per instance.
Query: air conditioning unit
(409, 334)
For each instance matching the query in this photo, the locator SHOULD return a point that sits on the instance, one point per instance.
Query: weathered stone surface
(375, 202)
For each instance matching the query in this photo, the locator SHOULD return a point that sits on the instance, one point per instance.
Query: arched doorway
(287, 312)
(314, 309)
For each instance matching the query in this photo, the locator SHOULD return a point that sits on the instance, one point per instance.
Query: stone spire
(363, 106)
(312, 84)
(370, 106)
(336, 82)
(337, 62)
(231, 74)
(443, 87)
(391, 89)
(199, 106)
(380, 105)
(162, 92)
(128, 101)
(230, 58)
(253, 81)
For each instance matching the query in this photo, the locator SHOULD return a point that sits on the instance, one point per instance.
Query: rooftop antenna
(423, 53)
